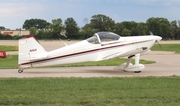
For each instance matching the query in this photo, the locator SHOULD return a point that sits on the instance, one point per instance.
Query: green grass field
(167, 47)
(134, 91)
(8, 48)
(10, 62)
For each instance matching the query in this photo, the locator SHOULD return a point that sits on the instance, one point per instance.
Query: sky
(13, 13)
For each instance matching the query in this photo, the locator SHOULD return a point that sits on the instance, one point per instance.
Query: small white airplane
(101, 46)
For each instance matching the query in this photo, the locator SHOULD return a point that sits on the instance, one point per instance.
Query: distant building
(15, 32)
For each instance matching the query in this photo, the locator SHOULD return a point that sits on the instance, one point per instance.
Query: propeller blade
(151, 33)
(158, 44)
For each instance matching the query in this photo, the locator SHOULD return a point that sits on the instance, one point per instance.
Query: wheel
(137, 71)
(125, 71)
(20, 70)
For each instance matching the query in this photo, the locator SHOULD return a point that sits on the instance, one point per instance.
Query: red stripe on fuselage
(88, 51)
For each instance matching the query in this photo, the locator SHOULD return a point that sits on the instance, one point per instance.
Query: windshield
(93, 40)
(103, 37)
(108, 36)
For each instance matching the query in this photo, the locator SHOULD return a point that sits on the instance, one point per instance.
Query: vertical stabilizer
(29, 50)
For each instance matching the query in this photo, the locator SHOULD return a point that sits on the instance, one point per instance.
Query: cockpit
(103, 37)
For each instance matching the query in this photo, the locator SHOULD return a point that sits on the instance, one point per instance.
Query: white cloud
(18, 9)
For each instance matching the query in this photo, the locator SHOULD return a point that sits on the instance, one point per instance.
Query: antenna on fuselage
(63, 33)
(63, 42)
(150, 32)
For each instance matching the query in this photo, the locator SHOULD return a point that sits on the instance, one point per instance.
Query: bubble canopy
(103, 37)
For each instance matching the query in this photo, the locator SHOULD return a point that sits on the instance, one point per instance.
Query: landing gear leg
(137, 57)
(20, 70)
(128, 62)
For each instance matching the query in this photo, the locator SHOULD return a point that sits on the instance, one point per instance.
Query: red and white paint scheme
(101, 46)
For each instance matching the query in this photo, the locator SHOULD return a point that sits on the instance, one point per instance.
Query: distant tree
(126, 32)
(119, 28)
(2, 28)
(87, 31)
(178, 34)
(37, 23)
(142, 29)
(5, 37)
(55, 28)
(127, 24)
(71, 28)
(133, 28)
(178, 30)
(174, 29)
(130, 25)
(33, 30)
(102, 23)
(18, 28)
(159, 26)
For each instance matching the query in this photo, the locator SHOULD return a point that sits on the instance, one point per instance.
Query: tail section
(30, 50)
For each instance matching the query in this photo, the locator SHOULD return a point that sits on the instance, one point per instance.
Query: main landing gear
(136, 68)
(20, 70)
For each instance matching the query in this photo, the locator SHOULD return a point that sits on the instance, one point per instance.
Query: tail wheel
(20, 70)
(137, 71)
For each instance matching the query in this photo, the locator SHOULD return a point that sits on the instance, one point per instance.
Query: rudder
(29, 51)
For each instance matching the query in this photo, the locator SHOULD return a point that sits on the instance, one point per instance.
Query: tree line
(56, 29)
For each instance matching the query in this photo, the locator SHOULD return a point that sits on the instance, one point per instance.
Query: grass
(11, 61)
(167, 47)
(133, 91)
(8, 48)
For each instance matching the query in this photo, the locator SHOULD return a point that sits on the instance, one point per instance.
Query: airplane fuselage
(84, 51)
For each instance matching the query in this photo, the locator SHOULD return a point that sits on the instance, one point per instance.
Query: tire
(137, 71)
(20, 70)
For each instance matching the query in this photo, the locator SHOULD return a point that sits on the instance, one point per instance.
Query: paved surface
(167, 64)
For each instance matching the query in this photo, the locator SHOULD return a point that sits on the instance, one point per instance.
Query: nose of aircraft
(157, 38)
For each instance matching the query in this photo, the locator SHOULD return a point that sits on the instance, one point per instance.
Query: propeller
(158, 44)
(155, 40)
(151, 33)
